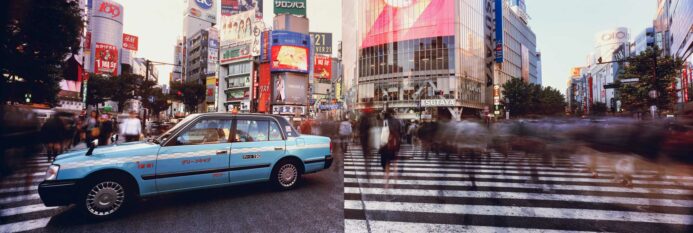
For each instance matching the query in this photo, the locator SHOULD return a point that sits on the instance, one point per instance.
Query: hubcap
(105, 198)
(287, 175)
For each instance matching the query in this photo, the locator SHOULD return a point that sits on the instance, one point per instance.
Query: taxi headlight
(52, 172)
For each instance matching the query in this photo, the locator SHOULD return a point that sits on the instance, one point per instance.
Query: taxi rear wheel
(105, 198)
(286, 175)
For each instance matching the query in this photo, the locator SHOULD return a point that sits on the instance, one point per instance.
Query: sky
(565, 29)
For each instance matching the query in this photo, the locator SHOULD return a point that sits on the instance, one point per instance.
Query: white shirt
(131, 126)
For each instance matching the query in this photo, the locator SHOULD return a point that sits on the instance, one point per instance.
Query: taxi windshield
(168, 133)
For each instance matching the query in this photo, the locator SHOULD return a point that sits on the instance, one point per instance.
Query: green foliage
(125, 87)
(525, 99)
(192, 94)
(99, 89)
(635, 96)
(35, 41)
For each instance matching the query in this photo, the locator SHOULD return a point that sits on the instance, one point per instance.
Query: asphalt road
(317, 205)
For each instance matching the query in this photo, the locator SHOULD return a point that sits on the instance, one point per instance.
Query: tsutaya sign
(438, 103)
(293, 7)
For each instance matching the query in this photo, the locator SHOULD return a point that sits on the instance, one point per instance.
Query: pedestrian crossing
(517, 193)
(21, 208)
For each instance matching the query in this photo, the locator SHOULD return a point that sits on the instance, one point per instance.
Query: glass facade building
(681, 28)
(409, 51)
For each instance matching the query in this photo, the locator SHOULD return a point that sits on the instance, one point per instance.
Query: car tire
(286, 175)
(105, 197)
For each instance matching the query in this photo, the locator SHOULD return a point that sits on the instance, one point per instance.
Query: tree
(99, 89)
(191, 94)
(125, 87)
(636, 96)
(159, 103)
(526, 98)
(35, 41)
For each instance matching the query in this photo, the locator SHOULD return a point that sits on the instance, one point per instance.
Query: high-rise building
(434, 54)
(644, 40)
(610, 45)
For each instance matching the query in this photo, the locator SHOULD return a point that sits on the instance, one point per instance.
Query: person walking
(52, 133)
(92, 127)
(106, 130)
(390, 141)
(345, 134)
(131, 128)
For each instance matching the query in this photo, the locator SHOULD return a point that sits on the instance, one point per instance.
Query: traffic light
(599, 60)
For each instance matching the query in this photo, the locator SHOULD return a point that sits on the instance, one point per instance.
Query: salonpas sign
(293, 7)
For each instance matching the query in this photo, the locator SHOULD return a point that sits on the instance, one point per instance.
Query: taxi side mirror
(92, 145)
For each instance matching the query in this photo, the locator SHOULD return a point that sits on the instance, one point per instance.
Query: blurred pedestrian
(364, 127)
(410, 131)
(131, 128)
(345, 134)
(52, 133)
(92, 127)
(106, 130)
(390, 141)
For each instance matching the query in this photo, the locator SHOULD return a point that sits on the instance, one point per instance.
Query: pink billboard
(387, 21)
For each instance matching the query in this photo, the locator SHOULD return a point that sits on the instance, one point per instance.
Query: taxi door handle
(278, 148)
(221, 152)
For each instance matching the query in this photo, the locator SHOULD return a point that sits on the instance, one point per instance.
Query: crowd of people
(61, 132)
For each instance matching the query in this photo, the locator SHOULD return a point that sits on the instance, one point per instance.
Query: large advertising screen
(388, 21)
(322, 68)
(289, 58)
(237, 29)
(290, 89)
(106, 59)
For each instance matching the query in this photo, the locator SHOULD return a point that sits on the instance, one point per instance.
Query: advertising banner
(203, 9)
(87, 43)
(525, 63)
(322, 68)
(264, 83)
(289, 58)
(258, 28)
(232, 7)
(265, 46)
(211, 84)
(237, 29)
(233, 53)
(288, 110)
(212, 58)
(292, 7)
(499, 31)
(106, 59)
(322, 42)
(289, 89)
(130, 42)
(428, 19)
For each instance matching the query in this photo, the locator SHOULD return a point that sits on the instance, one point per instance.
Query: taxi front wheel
(286, 175)
(105, 198)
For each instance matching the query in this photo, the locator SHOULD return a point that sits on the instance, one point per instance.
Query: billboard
(130, 42)
(406, 20)
(289, 88)
(265, 46)
(264, 88)
(106, 59)
(237, 29)
(575, 71)
(322, 42)
(289, 58)
(211, 84)
(108, 9)
(292, 7)
(322, 68)
(232, 7)
(234, 53)
(499, 31)
(203, 9)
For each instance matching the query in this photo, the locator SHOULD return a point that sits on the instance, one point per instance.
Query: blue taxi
(202, 151)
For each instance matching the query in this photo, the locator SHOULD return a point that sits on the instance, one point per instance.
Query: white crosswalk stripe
(524, 195)
(20, 206)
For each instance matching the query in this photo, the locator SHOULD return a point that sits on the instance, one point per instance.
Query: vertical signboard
(322, 42)
(213, 51)
(525, 63)
(265, 46)
(211, 84)
(292, 7)
(322, 68)
(130, 42)
(499, 31)
(106, 59)
(264, 88)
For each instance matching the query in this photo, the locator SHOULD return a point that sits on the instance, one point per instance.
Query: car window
(275, 133)
(252, 131)
(209, 131)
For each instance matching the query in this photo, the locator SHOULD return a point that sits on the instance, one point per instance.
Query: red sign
(323, 67)
(87, 42)
(264, 86)
(106, 59)
(109, 8)
(130, 42)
